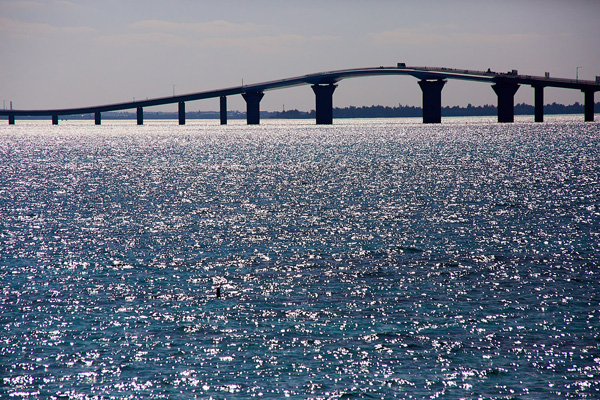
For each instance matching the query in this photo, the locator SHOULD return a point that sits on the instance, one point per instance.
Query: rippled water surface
(367, 259)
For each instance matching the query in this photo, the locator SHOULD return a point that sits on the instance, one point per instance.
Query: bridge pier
(253, 107)
(181, 113)
(55, 119)
(432, 100)
(588, 107)
(97, 118)
(324, 103)
(140, 116)
(539, 103)
(506, 100)
(11, 119)
(223, 109)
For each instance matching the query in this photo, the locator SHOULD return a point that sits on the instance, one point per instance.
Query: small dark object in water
(218, 292)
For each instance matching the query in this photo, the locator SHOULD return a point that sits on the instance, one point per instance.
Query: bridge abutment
(539, 103)
(324, 103)
(588, 107)
(97, 118)
(223, 109)
(506, 100)
(432, 100)
(140, 116)
(253, 107)
(55, 119)
(181, 109)
(11, 119)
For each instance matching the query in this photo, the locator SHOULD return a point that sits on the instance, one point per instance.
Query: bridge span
(430, 79)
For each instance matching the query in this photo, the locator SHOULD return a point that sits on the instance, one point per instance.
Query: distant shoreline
(346, 112)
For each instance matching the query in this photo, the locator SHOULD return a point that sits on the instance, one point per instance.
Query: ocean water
(367, 259)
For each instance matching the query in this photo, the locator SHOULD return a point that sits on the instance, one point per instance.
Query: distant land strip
(346, 112)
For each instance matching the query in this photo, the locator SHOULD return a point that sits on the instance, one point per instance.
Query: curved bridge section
(430, 79)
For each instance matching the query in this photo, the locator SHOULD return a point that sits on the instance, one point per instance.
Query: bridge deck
(329, 77)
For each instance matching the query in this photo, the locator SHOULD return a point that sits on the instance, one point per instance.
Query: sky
(70, 53)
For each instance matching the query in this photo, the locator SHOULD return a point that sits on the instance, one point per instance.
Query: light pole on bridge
(577, 73)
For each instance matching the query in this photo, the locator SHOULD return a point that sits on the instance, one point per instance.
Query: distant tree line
(412, 111)
(346, 112)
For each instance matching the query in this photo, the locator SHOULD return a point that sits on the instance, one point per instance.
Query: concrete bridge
(430, 79)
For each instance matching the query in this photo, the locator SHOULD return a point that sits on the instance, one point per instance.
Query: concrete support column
(324, 103)
(97, 118)
(588, 107)
(140, 116)
(11, 119)
(181, 113)
(539, 103)
(506, 100)
(253, 107)
(55, 120)
(223, 112)
(432, 100)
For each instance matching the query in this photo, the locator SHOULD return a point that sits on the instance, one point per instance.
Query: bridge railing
(510, 73)
(561, 80)
(457, 71)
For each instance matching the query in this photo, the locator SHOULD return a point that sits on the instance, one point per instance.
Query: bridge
(430, 79)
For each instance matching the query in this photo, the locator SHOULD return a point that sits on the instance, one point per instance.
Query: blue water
(367, 259)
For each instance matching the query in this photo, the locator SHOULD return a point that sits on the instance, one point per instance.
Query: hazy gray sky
(61, 53)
